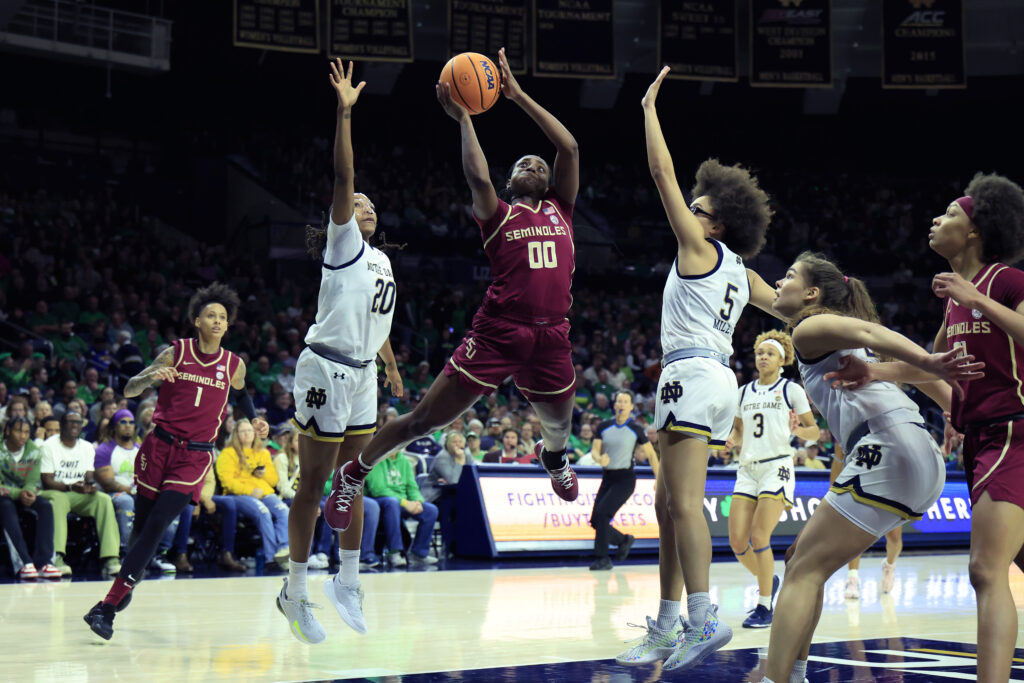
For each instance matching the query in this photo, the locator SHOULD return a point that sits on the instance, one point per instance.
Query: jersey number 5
(384, 298)
(729, 291)
(542, 254)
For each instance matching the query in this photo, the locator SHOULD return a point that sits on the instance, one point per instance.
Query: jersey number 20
(384, 298)
(542, 254)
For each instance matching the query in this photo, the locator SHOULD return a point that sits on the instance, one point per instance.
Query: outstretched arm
(688, 230)
(474, 163)
(344, 165)
(762, 294)
(822, 334)
(566, 172)
(161, 369)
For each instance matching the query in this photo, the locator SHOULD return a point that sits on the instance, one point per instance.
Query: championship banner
(923, 44)
(791, 43)
(573, 38)
(698, 39)
(486, 26)
(372, 30)
(288, 26)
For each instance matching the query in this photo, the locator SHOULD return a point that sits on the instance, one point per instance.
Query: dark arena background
(151, 147)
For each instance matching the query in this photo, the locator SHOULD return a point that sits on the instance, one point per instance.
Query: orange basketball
(475, 81)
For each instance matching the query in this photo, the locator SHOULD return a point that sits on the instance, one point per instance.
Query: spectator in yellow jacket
(246, 471)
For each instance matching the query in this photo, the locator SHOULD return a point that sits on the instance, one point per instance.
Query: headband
(779, 347)
(967, 204)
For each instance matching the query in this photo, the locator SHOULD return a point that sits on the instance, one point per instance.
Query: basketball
(475, 81)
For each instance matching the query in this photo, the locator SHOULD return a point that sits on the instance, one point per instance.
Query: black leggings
(616, 488)
(10, 512)
(152, 517)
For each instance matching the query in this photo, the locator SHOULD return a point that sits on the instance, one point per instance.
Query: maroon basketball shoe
(344, 488)
(563, 480)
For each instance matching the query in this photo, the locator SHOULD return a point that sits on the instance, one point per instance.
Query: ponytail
(840, 294)
(316, 239)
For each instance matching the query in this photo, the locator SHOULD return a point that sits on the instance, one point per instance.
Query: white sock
(853, 574)
(799, 671)
(885, 563)
(296, 579)
(668, 612)
(697, 605)
(348, 575)
(765, 600)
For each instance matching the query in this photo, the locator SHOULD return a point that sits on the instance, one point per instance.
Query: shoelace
(563, 477)
(346, 493)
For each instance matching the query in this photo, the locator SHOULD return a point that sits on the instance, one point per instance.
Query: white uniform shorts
(697, 397)
(769, 479)
(893, 476)
(333, 400)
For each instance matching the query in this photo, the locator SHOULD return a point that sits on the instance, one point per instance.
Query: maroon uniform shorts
(538, 357)
(161, 466)
(994, 461)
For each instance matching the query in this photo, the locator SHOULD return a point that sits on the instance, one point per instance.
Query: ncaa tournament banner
(791, 43)
(573, 38)
(289, 26)
(486, 26)
(698, 39)
(923, 44)
(523, 513)
(373, 30)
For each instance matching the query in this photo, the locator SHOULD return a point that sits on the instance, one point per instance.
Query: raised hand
(342, 84)
(653, 88)
(450, 106)
(509, 85)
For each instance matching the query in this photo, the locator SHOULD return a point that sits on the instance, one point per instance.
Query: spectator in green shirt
(262, 376)
(393, 485)
(90, 388)
(19, 483)
(66, 344)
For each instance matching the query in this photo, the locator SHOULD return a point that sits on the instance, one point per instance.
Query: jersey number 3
(384, 298)
(542, 254)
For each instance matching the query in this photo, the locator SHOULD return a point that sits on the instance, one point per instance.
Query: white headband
(777, 345)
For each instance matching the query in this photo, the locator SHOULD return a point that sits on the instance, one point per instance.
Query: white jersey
(701, 311)
(845, 410)
(764, 409)
(357, 295)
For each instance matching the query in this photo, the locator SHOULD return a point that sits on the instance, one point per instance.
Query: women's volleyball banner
(573, 39)
(486, 26)
(272, 25)
(371, 30)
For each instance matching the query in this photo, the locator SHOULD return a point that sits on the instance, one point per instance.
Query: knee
(759, 538)
(983, 573)
(429, 512)
(738, 545)
(685, 507)
(388, 505)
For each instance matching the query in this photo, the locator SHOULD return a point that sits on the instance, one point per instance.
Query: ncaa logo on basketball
(488, 74)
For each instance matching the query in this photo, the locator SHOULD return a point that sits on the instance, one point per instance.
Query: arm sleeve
(798, 398)
(103, 453)
(412, 489)
(244, 402)
(344, 243)
(46, 465)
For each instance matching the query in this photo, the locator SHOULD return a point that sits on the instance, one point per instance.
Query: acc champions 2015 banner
(521, 513)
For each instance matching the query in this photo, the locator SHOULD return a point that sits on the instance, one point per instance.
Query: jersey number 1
(542, 254)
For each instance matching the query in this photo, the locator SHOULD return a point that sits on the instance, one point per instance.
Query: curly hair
(316, 238)
(840, 295)
(739, 202)
(782, 338)
(999, 216)
(216, 293)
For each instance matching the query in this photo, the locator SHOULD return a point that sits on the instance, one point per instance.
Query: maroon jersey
(532, 260)
(999, 392)
(192, 406)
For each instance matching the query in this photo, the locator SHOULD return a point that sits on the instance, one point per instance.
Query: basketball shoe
(699, 643)
(653, 646)
(346, 486)
(299, 613)
(348, 600)
(101, 617)
(563, 480)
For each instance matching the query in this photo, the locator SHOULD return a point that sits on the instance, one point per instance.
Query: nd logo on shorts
(316, 398)
(671, 392)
